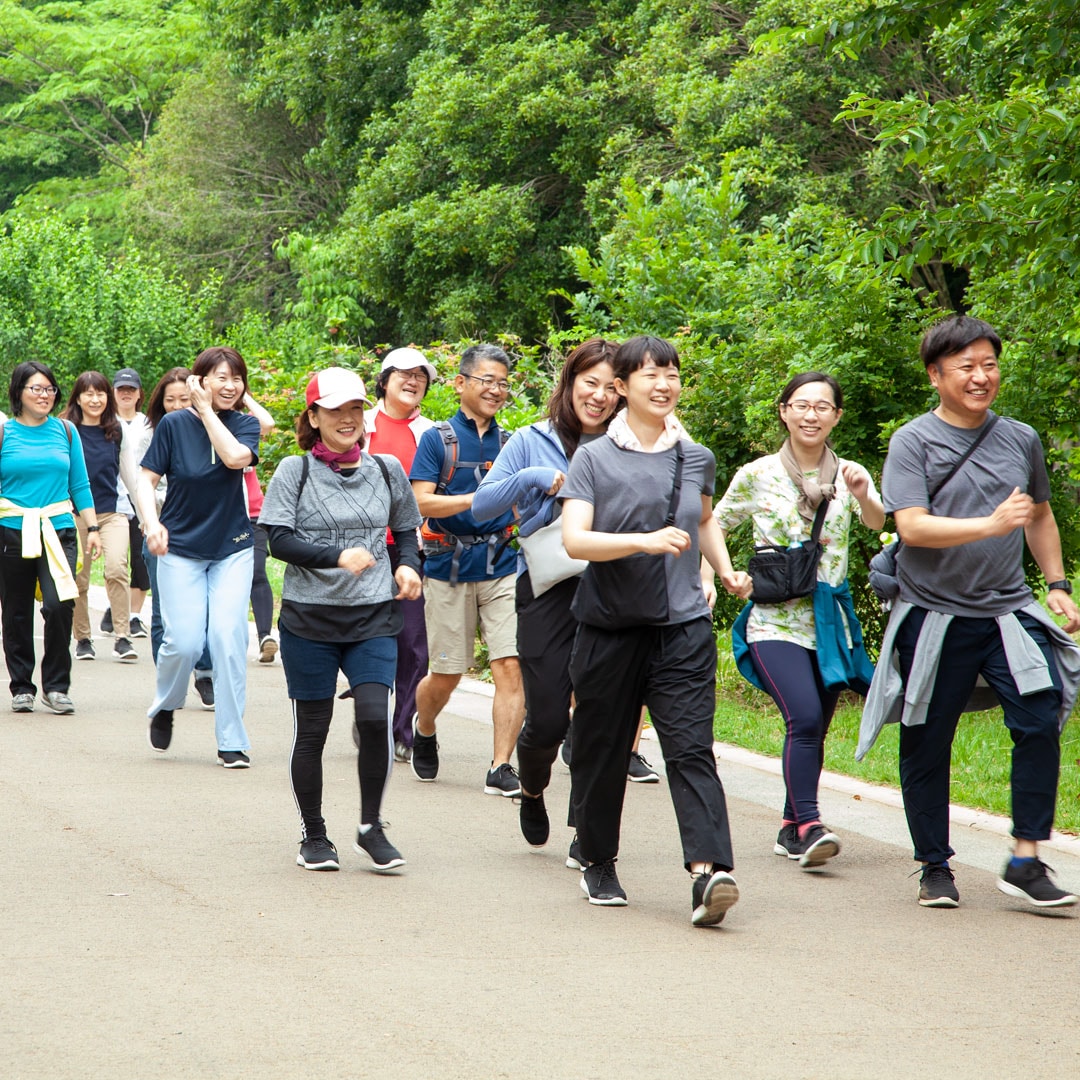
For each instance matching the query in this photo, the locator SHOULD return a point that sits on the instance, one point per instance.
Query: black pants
(545, 641)
(262, 596)
(19, 578)
(971, 647)
(672, 669)
(140, 574)
(311, 725)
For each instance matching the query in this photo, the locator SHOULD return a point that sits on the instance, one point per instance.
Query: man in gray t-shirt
(961, 567)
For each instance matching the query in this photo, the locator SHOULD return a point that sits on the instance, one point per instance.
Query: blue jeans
(189, 589)
(204, 667)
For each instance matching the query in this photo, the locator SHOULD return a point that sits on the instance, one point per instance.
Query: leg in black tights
(311, 724)
(371, 705)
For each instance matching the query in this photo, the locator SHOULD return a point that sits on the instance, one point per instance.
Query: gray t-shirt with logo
(984, 578)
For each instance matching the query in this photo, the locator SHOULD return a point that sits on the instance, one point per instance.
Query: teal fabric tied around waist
(842, 667)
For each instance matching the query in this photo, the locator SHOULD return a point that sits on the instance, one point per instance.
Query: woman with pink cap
(327, 514)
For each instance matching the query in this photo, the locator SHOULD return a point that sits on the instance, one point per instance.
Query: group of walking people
(396, 534)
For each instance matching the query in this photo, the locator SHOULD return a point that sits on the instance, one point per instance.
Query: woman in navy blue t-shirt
(92, 410)
(203, 543)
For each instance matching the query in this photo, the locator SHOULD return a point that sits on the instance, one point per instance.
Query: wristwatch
(93, 528)
(1064, 586)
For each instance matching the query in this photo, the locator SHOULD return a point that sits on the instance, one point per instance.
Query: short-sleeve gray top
(984, 578)
(630, 491)
(341, 510)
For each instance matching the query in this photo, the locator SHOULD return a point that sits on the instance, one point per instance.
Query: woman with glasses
(42, 473)
(92, 410)
(780, 494)
(394, 427)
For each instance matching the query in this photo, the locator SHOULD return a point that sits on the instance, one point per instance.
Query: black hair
(954, 334)
(22, 374)
(632, 354)
(796, 382)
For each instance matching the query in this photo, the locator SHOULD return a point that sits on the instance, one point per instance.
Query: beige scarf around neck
(811, 490)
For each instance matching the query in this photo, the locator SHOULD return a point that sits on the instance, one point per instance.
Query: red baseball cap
(334, 387)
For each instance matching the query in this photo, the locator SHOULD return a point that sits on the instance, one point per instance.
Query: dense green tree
(66, 303)
(84, 84)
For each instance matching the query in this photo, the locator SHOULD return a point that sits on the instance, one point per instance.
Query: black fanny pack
(782, 574)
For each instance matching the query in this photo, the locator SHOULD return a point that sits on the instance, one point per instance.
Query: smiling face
(810, 414)
(226, 389)
(93, 403)
(967, 383)
(593, 397)
(651, 392)
(339, 429)
(404, 392)
(37, 398)
(484, 390)
(176, 397)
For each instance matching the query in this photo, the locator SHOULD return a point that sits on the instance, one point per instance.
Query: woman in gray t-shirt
(326, 515)
(637, 504)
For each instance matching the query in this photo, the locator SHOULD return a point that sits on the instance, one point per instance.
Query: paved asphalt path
(154, 925)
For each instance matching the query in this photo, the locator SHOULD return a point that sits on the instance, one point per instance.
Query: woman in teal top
(42, 473)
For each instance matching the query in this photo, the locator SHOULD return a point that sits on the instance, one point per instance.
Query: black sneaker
(533, 817)
(575, 860)
(136, 627)
(106, 621)
(123, 650)
(712, 895)
(640, 771)
(204, 687)
(502, 781)
(317, 853)
(160, 731)
(84, 650)
(1029, 880)
(373, 843)
(425, 755)
(601, 885)
(819, 846)
(936, 886)
(788, 842)
(233, 759)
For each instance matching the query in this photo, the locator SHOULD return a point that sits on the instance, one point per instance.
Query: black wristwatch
(93, 528)
(1064, 586)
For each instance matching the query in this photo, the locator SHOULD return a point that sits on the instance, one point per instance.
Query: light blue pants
(192, 589)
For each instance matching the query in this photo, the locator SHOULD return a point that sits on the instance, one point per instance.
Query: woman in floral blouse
(780, 494)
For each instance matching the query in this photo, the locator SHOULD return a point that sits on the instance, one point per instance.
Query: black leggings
(311, 725)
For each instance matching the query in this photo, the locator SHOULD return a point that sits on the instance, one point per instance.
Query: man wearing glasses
(469, 570)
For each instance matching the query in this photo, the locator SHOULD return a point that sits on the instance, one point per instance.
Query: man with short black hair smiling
(967, 488)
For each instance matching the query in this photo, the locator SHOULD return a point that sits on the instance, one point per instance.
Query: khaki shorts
(452, 615)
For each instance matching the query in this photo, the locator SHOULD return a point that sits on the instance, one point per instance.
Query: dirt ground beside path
(153, 923)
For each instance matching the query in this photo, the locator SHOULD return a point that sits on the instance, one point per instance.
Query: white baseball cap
(406, 360)
(334, 387)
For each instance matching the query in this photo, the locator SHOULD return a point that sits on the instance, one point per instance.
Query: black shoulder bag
(883, 578)
(781, 574)
(633, 590)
